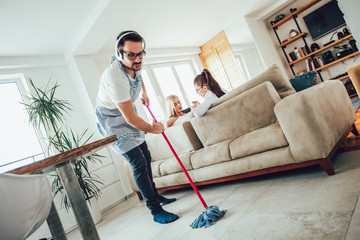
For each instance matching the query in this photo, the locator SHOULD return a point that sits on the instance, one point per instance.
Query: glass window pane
(155, 105)
(187, 76)
(168, 84)
(14, 165)
(18, 138)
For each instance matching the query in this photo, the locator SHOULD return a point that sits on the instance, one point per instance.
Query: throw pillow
(303, 81)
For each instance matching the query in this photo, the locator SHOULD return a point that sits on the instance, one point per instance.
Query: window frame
(23, 88)
(155, 83)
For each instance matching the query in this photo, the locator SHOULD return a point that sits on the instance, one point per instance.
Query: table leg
(54, 223)
(82, 214)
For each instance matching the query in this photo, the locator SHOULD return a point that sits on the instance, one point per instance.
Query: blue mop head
(209, 217)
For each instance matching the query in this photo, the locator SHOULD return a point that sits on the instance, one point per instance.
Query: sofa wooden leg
(354, 130)
(139, 195)
(326, 164)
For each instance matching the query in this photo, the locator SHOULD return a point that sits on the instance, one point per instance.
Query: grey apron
(111, 122)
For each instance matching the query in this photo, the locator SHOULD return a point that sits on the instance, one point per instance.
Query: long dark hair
(205, 78)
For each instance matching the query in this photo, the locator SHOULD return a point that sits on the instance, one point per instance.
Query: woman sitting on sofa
(174, 108)
(208, 88)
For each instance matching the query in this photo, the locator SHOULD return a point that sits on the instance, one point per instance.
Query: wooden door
(217, 56)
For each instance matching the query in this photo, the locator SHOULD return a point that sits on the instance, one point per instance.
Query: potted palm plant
(49, 114)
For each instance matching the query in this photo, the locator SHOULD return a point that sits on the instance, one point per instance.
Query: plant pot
(94, 209)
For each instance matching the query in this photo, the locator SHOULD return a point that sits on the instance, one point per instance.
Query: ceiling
(68, 27)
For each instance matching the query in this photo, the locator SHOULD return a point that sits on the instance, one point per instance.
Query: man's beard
(133, 68)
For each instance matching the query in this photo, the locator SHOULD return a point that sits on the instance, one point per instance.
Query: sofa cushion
(155, 168)
(171, 165)
(178, 138)
(260, 140)
(213, 154)
(175, 179)
(242, 114)
(273, 158)
(273, 74)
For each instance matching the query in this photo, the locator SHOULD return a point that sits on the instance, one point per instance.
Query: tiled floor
(299, 204)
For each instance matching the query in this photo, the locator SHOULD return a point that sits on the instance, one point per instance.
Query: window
(155, 102)
(242, 63)
(19, 142)
(162, 80)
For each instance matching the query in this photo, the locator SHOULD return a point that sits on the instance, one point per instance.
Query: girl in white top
(207, 87)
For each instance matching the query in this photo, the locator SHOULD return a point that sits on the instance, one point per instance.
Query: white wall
(351, 10)
(251, 60)
(86, 74)
(40, 69)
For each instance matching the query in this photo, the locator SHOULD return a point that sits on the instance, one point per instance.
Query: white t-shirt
(114, 86)
(209, 99)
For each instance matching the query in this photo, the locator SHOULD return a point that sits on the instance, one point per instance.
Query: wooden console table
(61, 162)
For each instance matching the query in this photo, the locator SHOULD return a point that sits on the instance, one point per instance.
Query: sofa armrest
(315, 119)
(193, 138)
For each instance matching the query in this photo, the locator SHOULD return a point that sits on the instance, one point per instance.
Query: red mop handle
(181, 165)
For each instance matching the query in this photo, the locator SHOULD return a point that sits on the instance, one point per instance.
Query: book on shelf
(316, 63)
(292, 56)
(310, 65)
(307, 65)
(320, 61)
(303, 51)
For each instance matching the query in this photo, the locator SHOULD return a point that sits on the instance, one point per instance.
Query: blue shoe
(165, 217)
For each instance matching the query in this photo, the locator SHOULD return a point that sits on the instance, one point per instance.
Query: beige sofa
(261, 127)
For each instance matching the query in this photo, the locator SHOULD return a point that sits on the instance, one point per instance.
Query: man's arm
(128, 111)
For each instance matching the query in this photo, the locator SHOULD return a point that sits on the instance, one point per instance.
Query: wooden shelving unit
(320, 50)
(343, 77)
(294, 14)
(293, 39)
(338, 60)
(312, 55)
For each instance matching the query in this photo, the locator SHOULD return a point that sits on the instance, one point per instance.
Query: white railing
(21, 162)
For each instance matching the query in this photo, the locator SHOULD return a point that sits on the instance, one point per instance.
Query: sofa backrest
(273, 74)
(237, 116)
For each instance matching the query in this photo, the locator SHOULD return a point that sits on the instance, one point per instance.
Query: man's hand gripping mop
(212, 213)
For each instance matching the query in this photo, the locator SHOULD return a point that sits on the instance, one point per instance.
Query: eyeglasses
(132, 56)
(197, 90)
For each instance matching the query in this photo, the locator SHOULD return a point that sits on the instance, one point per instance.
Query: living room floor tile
(299, 226)
(354, 227)
(311, 191)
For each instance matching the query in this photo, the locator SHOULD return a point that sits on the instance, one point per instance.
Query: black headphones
(118, 54)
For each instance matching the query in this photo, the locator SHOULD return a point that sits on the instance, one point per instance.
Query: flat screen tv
(324, 20)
